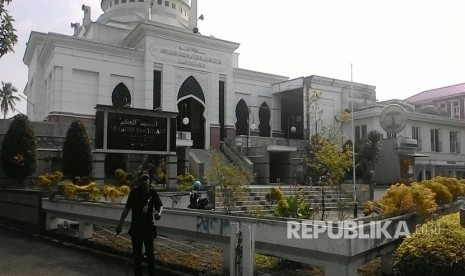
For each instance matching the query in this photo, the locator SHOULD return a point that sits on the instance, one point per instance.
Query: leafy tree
(313, 111)
(326, 163)
(230, 181)
(7, 98)
(19, 149)
(8, 37)
(77, 156)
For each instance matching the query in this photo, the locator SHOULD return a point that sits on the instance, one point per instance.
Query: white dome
(130, 12)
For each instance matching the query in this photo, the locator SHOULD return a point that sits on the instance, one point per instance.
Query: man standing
(142, 200)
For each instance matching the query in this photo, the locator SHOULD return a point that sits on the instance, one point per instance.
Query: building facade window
(157, 86)
(360, 132)
(454, 142)
(455, 112)
(416, 134)
(435, 140)
(159, 2)
(167, 3)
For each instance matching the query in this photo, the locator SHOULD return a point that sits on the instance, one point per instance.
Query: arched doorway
(191, 104)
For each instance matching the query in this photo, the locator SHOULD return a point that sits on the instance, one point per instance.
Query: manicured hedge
(436, 248)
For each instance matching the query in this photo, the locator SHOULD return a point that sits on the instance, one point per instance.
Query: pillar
(98, 166)
(85, 230)
(51, 222)
(341, 269)
(171, 171)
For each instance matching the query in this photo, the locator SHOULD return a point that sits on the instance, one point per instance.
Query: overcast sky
(402, 47)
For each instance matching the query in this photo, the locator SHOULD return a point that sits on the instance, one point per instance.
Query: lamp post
(250, 127)
(185, 119)
(292, 129)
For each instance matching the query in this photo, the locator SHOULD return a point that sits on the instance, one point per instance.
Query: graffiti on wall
(212, 225)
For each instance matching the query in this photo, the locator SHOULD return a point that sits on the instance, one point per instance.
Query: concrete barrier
(361, 242)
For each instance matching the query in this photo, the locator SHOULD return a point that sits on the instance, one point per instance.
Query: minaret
(193, 17)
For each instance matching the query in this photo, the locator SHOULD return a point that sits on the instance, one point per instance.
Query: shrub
(292, 206)
(275, 195)
(401, 199)
(297, 207)
(442, 194)
(114, 161)
(185, 182)
(452, 184)
(19, 149)
(77, 156)
(435, 248)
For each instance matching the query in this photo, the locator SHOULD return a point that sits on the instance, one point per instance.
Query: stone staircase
(200, 162)
(255, 198)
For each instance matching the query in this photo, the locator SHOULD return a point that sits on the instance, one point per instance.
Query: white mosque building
(149, 55)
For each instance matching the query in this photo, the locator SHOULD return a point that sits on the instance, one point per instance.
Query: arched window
(121, 97)
(264, 115)
(242, 114)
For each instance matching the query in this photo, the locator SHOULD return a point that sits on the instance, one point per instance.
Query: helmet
(197, 185)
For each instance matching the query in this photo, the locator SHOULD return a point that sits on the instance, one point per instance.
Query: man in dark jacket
(142, 200)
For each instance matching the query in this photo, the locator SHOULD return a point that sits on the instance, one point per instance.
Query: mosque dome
(128, 13)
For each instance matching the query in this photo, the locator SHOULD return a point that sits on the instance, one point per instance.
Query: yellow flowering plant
(115, 194)
(49, 181)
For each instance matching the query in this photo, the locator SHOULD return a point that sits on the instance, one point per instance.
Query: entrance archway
(191, 104)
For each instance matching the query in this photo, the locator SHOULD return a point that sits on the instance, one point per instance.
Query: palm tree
(7, 99)
(368, 154)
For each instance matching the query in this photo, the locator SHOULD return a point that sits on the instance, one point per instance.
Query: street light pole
(185, 120)
(353, 143)
(292, 129)
(249, 128)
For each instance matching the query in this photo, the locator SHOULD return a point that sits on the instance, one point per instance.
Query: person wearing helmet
(196, 185)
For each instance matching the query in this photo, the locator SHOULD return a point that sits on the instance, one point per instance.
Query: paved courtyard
(24, 254)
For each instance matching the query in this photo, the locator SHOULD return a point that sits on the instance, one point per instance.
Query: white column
(232, 250)
(248, 249)
(85, 230)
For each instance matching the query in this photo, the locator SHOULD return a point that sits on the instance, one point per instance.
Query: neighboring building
(429, 145)
(451, 99)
